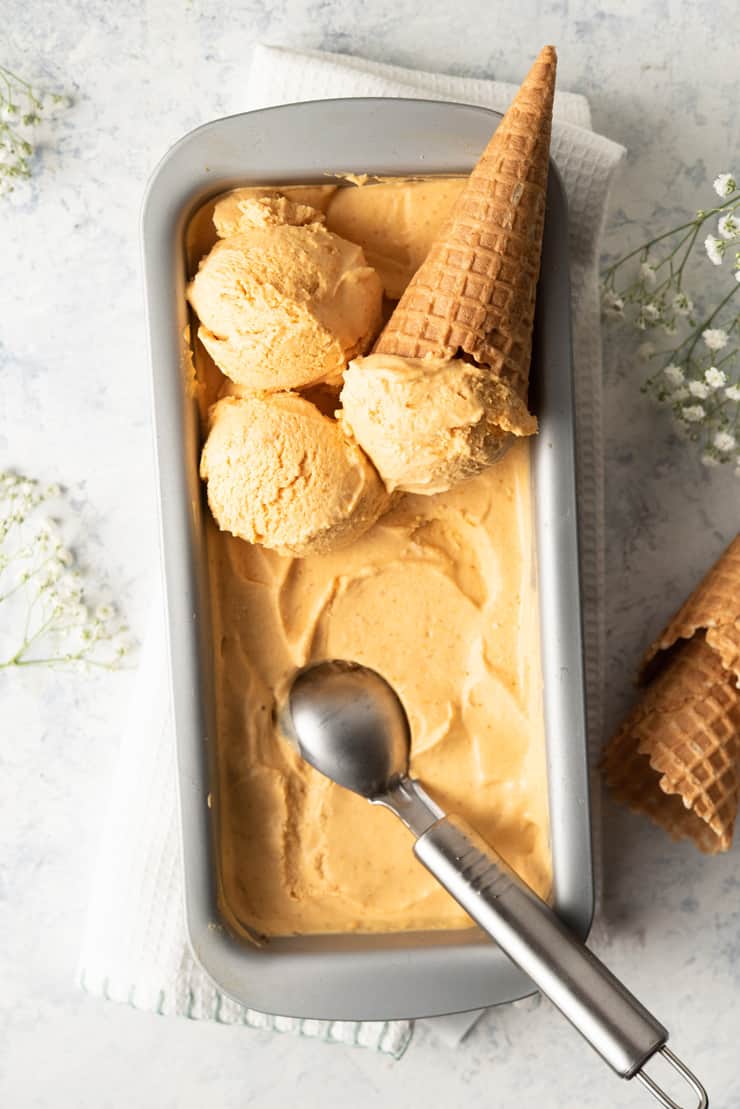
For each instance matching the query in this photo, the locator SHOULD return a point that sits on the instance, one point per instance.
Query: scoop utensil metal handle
(596, 1003)
(348, 723)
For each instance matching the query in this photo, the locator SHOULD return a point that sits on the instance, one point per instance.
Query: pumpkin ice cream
(283, 302)
(438, 594)
(429, 424)
(282, 474)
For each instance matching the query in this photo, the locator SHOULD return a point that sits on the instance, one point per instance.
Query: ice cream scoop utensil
(349, 724)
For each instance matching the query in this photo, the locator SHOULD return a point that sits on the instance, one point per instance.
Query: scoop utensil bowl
(349, 724)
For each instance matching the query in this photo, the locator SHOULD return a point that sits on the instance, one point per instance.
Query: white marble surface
(73, 381)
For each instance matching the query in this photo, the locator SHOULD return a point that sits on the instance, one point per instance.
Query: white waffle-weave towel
(134, 948)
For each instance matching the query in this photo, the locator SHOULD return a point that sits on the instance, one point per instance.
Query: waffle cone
(475, 291)
(713, 607)
(677, 756)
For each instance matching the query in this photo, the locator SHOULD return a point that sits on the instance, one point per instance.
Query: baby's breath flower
(122, 644)
(48, 536)
(21, 109)
(715, 249)
(715, 338)
(50, 575)
(724, 441)
(724, 185)
(715, 377)
(612, 304)
(682, 304)
(728, 226)
(701, 402)
(647, 273)
(46, 618)
(674, 374)
(70, 587)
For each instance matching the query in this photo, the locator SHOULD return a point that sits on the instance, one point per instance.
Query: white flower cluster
(724, 185)
(728, 224)
(687, 397)
(45, 614)
(682, 305)
(22, 109)
(715, 338)
(612, 304)
(658, 304)
(698, 377)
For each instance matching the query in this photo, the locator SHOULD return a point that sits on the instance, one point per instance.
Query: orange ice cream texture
(283, 302)
(462, 330)
(285, 476)
(450, 575)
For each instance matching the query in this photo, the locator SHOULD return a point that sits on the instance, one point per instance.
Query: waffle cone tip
(475, 292)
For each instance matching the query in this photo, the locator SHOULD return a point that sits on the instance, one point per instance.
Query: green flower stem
(28, 640)
(684, 260)
(9, 76)
(25, 580)
(60, 660)
(696, 223)
(668, 281)
(6, 79)
(29, 614)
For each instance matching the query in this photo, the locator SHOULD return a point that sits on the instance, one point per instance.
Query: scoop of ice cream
(426, 424)
(268, 210)
(244, 208)
(281, 304)
(281, 474)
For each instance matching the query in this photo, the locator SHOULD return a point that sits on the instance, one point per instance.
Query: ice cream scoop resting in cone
(465, 319)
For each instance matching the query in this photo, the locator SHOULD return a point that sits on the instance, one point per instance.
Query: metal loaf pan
(356, 976)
